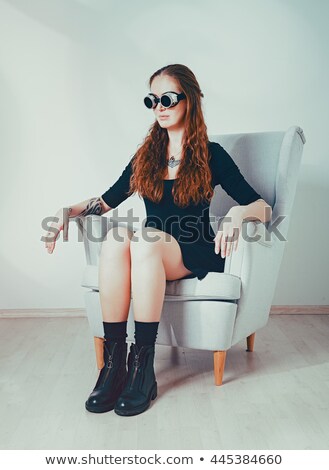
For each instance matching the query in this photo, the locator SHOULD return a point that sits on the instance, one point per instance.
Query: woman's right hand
(56, 227)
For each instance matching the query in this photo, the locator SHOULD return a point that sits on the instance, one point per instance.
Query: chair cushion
(217, 286)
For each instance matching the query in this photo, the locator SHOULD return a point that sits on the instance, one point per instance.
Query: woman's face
(176, 114)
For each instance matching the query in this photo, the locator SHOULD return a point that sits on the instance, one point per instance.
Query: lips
(163, 117)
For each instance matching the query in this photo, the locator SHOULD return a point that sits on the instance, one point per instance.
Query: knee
(116, 242)
(144, 244)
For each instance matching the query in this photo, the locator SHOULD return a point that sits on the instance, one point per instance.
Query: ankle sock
(115, 331)
(145, 333)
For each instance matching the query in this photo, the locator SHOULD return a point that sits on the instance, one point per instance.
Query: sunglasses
(168, 100)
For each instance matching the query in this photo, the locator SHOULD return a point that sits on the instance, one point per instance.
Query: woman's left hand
(227, 236)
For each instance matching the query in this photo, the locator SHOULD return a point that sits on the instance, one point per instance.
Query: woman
(175, 171)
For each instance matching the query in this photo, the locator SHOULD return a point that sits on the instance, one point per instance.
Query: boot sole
(137, 411)
(100, 409)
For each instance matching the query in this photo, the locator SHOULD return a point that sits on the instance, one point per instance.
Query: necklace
(172, 162)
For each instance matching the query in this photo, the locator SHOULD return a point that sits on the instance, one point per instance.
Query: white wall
(73, 75)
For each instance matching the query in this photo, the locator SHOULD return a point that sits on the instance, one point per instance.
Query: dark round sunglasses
(168, 100)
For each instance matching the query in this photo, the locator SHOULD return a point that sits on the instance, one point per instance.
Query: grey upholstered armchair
(223, 308)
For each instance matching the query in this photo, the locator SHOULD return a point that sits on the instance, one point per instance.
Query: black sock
(115, 331)
(145, 333)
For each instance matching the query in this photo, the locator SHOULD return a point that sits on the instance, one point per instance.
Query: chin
(167, 123)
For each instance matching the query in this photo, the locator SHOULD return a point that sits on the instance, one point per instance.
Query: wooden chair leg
(250, 342)
(219, 365)
(99, 350)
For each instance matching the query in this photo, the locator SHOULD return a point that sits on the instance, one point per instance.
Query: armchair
(222, 309)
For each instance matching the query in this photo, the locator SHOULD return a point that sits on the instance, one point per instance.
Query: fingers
(218, 241)
(236, 244)
(231, 241)
(226, 242)
(51, 241)
(65, 225)
(228, 247)
(50, 247)
(223, 246)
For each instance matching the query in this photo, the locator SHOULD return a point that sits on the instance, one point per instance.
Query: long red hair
(149, 165)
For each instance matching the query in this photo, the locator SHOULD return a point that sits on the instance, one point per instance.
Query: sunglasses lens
(166, 101)
(149, 103)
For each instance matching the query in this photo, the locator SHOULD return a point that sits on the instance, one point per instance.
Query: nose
(161, 107)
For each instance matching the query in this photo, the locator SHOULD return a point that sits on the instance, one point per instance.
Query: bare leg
(153, 261)
(114, 275)
(115, 294)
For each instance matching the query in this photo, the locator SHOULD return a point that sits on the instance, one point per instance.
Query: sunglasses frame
(173, 96)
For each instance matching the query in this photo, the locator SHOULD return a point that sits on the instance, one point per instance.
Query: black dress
(190, 226)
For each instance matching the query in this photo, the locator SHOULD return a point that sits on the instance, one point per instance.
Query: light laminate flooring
(274, 398)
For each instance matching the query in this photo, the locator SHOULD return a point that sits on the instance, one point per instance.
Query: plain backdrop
(73, 75)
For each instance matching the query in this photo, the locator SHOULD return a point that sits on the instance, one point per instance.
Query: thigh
(117, 240)
(152, 240)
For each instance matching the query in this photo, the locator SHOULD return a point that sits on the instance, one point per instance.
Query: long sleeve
(226, 173)
(117, 193)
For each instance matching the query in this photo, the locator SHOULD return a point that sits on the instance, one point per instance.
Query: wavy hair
(149, 164)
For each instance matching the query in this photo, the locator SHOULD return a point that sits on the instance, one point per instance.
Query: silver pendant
(172, 162)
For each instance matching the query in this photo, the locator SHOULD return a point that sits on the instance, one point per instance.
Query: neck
(175, 140)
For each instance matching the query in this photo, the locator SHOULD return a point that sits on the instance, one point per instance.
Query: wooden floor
(274, 398)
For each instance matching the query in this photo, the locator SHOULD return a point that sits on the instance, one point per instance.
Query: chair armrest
(252, 233)
(92, 231)
(256, 262)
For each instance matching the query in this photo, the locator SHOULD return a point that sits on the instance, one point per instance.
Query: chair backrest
(270, 162)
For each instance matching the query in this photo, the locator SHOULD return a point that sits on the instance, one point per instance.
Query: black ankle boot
(111, 380)
(141, 386)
